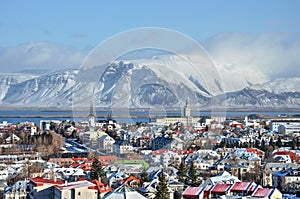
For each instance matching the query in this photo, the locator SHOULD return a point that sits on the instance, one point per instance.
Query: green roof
(142, 162)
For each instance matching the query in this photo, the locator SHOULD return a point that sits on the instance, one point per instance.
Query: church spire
(92, 114)
(187, 110)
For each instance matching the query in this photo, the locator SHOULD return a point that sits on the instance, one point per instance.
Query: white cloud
(39, 55)
(273, 55)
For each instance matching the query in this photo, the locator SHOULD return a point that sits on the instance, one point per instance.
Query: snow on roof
(74, 185)
(123, 192)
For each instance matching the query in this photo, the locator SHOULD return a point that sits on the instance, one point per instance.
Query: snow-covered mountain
(8, 80)
(284, 93)
(159, 82)
(48, 90)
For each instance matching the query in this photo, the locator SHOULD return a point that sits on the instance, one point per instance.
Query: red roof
(262, 192)
(101, 187)
(107, 158)
(240, 186)
(220, 188)
(253, 188)
(256, 151)
(38, 181)
(207, 190)
(292, 155)
(191, 192)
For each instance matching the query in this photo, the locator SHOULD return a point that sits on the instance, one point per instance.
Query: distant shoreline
(175, 109)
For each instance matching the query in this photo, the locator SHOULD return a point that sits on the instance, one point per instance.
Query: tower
(92, 116)
(187, 110)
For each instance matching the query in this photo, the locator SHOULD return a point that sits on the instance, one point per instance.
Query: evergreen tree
(256, 144)
(222, 144)
(162, 187)
(182, 171)
(272, 142)
(263, 145)
(192, 173)
(294, 144)
(279, 142)
(97, 170)
(144, 177)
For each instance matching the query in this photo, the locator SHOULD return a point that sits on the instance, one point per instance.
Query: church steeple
(92, 115)
(187, 110)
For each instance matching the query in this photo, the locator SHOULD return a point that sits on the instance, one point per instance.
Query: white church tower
(92, 117)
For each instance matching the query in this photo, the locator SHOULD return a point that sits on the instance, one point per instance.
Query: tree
(294, 144)
(144, 177)
(97, 170)
(272, 142)
(279, 142)
(162, 187)
(256, 144)
(192, 174)
(263, 145)
(182, 171)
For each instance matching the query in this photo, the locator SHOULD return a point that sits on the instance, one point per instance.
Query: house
(242, 188)
(284, 177)
(293, 157)
(267, 193)
(12, 139)
(122, 147)
(76, 190)
(18, 190)
(40, 188)
(132, 182)
(124, 192)
(102, 188)
(223, 177)
(220, 189)
(105, 143)
(283, 121)
(193, 193)
(166, 143)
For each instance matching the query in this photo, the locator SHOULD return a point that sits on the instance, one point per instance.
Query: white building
(105, 143)
(186, 120)
(283, 121)
(288, 129)
(122, 147)
(76, 190)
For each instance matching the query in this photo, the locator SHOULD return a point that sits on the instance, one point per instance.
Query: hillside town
(173, 157)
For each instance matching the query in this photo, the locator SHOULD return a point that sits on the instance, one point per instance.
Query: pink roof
(262, 192)
(192, 191)
(240, 186)
(220, 188)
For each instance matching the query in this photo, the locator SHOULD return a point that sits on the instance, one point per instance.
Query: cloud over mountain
(275, 55)
(39, 55)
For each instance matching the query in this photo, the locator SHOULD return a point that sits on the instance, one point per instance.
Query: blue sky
(86, 23)
(238, 34)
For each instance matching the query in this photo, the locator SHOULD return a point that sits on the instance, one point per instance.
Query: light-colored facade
(76, 190)
(105, 143)
(284, 121)
(186, 120)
